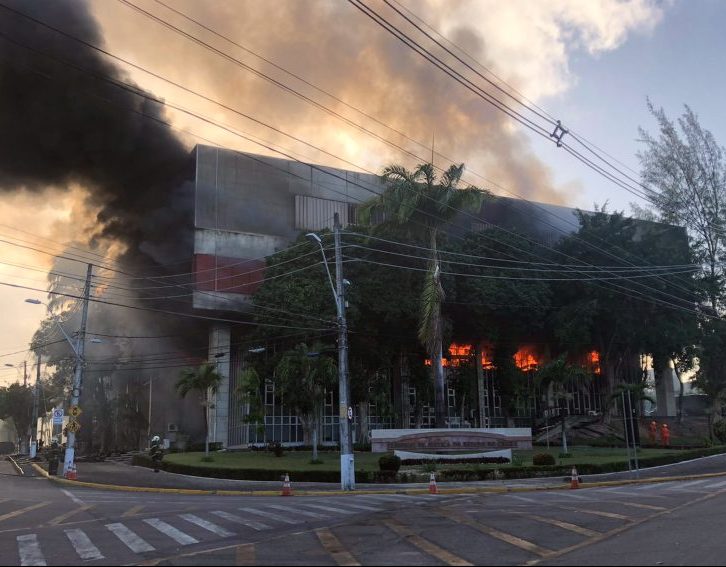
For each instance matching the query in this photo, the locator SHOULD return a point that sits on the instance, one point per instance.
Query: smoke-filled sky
(79, 162)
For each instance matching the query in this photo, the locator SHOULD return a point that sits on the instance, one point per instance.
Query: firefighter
(652, 431)
(156, 452)
(665, 435)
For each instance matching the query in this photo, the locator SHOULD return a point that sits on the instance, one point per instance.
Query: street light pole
(78, 376)
(347, 459)
(34, 423)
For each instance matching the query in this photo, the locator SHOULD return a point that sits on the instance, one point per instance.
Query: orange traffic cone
(575, 480)
(433, 489)
(286, 488)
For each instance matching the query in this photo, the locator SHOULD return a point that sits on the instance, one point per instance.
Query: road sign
(350, 412)
(75, 411)
(58, 416)
(73, 426)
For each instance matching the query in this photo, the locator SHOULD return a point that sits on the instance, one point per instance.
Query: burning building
(249, 206)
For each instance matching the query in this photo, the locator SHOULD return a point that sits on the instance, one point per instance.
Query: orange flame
(594, 359)
(526, 359)
(461, 353)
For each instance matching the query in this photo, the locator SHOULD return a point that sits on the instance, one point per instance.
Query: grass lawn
(364, 461)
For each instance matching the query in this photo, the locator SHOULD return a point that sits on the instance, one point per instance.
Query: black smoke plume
(62, 124)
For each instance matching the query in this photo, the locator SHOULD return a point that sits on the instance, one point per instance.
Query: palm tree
(423, 204)
(204, 379)
(302, 375)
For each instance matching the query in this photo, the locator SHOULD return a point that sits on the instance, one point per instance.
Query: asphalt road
(661, 523)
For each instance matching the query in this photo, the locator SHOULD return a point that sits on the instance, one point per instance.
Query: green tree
(685, 170)
(423, 204)
(204, 380)
(303, 375)
(558, 379)
(16, 403)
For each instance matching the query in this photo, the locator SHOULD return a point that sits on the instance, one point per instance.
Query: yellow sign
(75, 411)
(73, 426)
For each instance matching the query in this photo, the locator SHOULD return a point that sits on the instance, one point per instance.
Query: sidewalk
(119, 475)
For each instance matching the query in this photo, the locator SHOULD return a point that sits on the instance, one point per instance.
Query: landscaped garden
(265, 465)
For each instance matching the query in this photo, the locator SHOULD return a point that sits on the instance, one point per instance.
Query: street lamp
(78, 351)
(347, 459)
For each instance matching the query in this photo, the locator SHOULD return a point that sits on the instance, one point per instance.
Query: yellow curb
(17, 466)
(406, 491)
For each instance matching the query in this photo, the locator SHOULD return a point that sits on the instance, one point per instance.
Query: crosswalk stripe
(129, 538)
(361, 507)
(524, 499)
(209, 526)
(259, 526)
(330, 509)
(169, 530)
(83, 545)
(270, 515)
(298, 511)
(29, 550)
(717, 485)
(643, 506)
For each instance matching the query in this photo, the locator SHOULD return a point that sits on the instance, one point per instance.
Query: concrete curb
(410, 491)
(17, 466)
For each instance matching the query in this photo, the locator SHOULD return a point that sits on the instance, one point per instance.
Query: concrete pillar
(220, 344)
(665, 393)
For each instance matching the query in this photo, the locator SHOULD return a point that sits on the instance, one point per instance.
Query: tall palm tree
(302, 375)
(422, 203)
(204, 379)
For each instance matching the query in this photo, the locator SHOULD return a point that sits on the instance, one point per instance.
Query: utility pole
(78, 376)
(148, 428)
(347, 460)
(34, 422)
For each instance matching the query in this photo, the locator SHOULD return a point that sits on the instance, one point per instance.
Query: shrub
(389, 463)
(543, 459)
(719, 430)
(565, 455)
(276, 448)
(430, 467)
(316, 461)
(209, 459)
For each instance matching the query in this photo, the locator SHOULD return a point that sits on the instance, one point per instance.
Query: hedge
(469, 474)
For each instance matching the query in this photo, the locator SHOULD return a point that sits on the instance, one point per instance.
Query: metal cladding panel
(312, 213)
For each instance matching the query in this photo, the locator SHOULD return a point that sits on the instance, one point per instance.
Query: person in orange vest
(652, 431)
(665, 435)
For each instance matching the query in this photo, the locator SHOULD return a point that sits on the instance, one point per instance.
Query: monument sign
(450, 440)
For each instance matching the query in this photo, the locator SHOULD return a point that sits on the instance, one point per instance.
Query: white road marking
(270, 515)
(361, 507)
(129, 538)
(73, 497)
(83, 545)
(29, 550)
(717, 485)
(575, 496)
(209, 526)
(169, 530)
(525, 499)
(259, 526)
(331, 509)
(298, 511)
